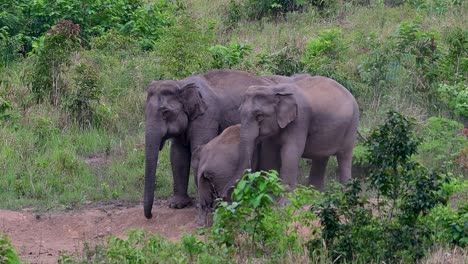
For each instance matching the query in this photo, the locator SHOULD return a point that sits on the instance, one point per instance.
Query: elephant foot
(179, 202)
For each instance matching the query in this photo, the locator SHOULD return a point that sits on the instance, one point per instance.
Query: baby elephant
(215, 165)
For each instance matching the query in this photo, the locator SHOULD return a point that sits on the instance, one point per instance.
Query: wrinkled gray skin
(314, 118)
(191, 112)
(215, 164)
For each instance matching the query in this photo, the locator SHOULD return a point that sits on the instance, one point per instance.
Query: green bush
(417, 50)
(25, 22)
(448, 223)
(7, 251)
(323, 54)
(52, 55)
(229, 56)
(286, 62)
(389, 228)
(251, 224)
(442, 142)
(257, 9)
(82, 102)
(252, 198)
(184, 48)
(455, 62)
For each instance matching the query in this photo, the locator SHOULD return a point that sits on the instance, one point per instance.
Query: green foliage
(7, 252)
(184, 48)
(257, 9)
(439, 7)
(5, 108)
(448, 224)
(52, 54)
(442, 141)
(286, 61)
(417, 51)
(140, 247)
(83, 100)
(229, 56)
(252, 200)
(455, 62)
(26, 22)
(233, 13)
(323, 54)
(252, 226)
(388, 229)
(456, 96)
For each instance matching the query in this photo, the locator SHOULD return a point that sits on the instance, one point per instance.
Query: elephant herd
(225, 121)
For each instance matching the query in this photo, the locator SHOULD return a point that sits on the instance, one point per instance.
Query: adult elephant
(314, 118)
(191, 111)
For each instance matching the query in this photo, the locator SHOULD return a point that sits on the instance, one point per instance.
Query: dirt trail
(41, 238)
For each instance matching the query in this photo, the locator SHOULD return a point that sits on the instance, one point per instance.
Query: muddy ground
(43, 237)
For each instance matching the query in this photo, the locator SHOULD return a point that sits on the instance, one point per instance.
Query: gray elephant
(314, 118)
(191, 111)
(215, 164)
(285, 79)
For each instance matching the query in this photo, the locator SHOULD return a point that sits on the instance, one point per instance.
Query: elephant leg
(205, 198)
(345, 160)
(269, 157)
(317, 172)
(180, 163)
(289, 165)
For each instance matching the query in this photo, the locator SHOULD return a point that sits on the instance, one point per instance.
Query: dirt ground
(43, 237)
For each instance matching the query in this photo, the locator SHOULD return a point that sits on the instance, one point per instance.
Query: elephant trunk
(248, 138)
(153, 141)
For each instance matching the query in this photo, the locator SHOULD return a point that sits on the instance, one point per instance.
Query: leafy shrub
(388, 229)
(256, 9)
(447, 224)
(253, 226)
(184, 48)
(7, 252)
(234, 13)
(5, 108)
(455, 63)
(84, 99)
(52, 55)
(25, 21)
(380, 70)
(323, 54)
(442, 141)
(456, 96)
(113, 41)
(439, 7)
(229, 56)
(283, 62)
(9, 47)
(417, 51)
(252, 200)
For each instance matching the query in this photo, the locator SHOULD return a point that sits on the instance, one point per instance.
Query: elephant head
(169, 108)
(265, 110)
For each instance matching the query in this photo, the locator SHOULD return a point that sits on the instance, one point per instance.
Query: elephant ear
(192, 100)
(286, 108)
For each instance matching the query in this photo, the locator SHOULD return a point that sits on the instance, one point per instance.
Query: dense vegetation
(72, 86)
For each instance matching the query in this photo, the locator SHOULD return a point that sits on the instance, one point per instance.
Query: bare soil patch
(44, 237)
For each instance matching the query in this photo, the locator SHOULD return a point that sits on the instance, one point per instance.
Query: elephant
(215, 164)
(190, 112)
(314, 118)
(285, 79)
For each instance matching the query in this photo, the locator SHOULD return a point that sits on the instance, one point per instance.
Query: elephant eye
(259, 117)
(165, 113)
